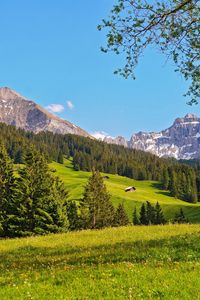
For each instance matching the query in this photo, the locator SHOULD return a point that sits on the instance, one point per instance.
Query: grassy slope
(155, 262)
(146, 190)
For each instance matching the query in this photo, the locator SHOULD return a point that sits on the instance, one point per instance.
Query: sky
(50, 53)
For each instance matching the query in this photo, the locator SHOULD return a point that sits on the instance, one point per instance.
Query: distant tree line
(149, 215)
(183, 181)
(195, 164)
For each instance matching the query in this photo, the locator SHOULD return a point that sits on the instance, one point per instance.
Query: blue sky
(49, 52)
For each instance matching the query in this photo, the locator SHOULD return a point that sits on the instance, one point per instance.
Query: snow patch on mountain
(181, 140)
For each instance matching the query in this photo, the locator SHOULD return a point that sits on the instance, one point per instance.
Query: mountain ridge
(21, 112)
(181, 140)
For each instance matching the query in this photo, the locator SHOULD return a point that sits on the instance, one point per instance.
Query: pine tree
(96, 207)
(193, 195)
(193, 192)
(174, 185)
(150, 213)
(120, 217)
(57, 206)
(8, 196)
(135, 217)
(143, 215)
(72, 213)
(43, 198)
(165, 179)
(159, 216)
(19, 157)
(60, 159)
(180, 217)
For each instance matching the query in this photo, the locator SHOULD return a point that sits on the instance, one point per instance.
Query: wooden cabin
(105, 177)
(130, 189)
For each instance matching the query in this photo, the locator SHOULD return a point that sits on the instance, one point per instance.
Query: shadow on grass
(175, 249)
(158, 186)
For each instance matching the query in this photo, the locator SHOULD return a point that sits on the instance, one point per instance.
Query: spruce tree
(165, 179)
(180, 217)
(19, 157)
(193, 192)
(73, 217)
(150, 213)
(159, 216)
(174, 184)
(60, 159)
(143, 215)
(57, 206)
(9, 203)
(135, 217)
(43, 197)
(120, 217)
(193, 195)
(96, 207)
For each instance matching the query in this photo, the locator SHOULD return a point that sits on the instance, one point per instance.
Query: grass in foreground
(145, 191)
(155, 262)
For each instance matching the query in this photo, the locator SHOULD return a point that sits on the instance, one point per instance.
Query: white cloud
(55, 108)
(70, 105)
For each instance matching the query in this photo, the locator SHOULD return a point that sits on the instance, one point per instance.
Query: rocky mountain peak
(189, 119)
(119, 140)
(191, 116)
(181, 140)
(8, 94)
(23, 113)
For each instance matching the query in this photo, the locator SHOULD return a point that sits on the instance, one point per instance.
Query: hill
(155, 262)
(183, 181)
(145, 190)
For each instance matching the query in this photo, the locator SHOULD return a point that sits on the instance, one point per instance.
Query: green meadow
(136, 262)
(145, 190)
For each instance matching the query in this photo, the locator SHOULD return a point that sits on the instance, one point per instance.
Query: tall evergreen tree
(180, 217)
(143, 215)
(57, 206)
(135, 217)
(60, 159)
(73, 217)
(8, 195)
(120, 217)
(96, 207)
(165, 179)
(174, 184)
(150, 213)
(159, 216)
(43, 198)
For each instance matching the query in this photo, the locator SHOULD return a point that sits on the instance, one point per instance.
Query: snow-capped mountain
(181, 140)
(23, 113)
(105, 137)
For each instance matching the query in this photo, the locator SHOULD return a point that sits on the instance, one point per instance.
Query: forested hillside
(181, 179)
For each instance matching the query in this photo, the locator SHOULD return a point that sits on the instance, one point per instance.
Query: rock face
(181, 140)
(119, 140)
(18, 111)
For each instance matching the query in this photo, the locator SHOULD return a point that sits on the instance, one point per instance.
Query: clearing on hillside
(145, 191)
